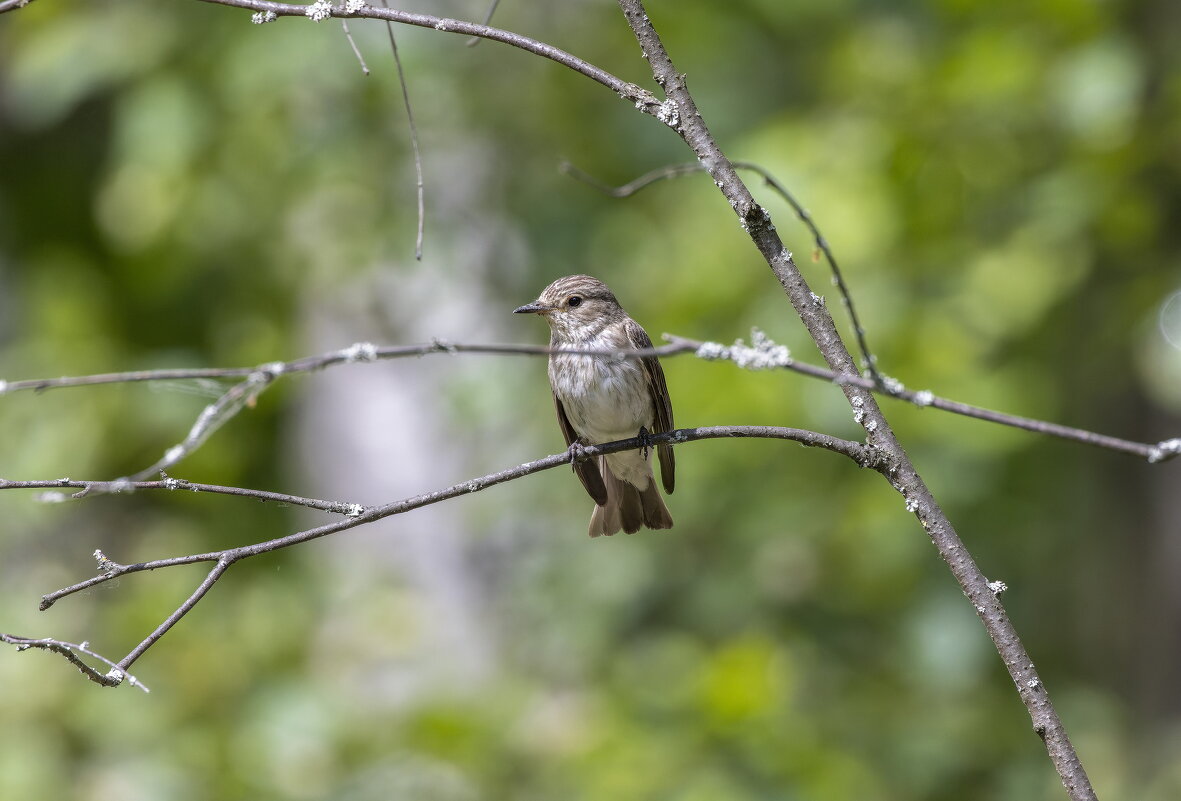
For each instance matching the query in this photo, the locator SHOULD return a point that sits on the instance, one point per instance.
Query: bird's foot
(576, 452)
(645, 441)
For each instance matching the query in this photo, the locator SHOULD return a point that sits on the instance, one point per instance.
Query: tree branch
(880, 382)
(12, 5)
(750, 357)
(883, 452)
(757, 357)
(419, 185)
(691, 126)
(109, 569)
(643, 99)
(112, 678)
(85, 488)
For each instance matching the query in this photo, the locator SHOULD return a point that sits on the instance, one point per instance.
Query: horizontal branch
(85, 488)
(355, 353)
(766, 355)
(761, 354)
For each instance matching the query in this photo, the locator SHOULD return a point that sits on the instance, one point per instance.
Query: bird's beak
(533, 308)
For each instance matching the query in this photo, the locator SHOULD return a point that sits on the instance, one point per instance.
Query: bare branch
(903, 476)
(344, 24)
(858, 452)
(754, 357)
(357, 352)
(112, 678)
(212, 417)
(13, 5)
(419, 186)
(110, 569)
(677, 170)
(742, 355)
(644, 100)
(475, 40)
(173, 484)
(218, 570)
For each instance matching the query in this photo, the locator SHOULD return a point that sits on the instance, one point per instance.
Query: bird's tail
(627, 507)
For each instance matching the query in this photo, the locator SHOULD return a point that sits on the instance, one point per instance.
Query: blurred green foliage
(1001, 181)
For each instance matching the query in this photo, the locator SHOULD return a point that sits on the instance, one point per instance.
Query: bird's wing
(661, 405)
(588, 469)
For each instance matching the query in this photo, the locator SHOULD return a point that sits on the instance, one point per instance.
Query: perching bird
(602, 399)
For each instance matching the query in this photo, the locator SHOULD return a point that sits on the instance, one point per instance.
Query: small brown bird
(602, 399)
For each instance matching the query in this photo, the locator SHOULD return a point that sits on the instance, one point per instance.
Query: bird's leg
(645, 441)
(576, 452)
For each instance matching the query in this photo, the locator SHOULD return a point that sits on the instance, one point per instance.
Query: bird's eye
(574, 301)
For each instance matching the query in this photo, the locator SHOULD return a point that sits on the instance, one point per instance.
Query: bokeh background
(178, 187)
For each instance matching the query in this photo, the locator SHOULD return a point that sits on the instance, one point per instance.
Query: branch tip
(1164, 450)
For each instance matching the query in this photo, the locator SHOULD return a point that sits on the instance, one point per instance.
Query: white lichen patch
(669, 114)
(319, 11)
(360, 352)
(1163, 450)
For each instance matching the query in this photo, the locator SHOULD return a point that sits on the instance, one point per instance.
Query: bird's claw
(645, 441)
(576, 452)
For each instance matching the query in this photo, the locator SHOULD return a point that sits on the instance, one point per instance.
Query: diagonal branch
(109, 569)
(691, 127)
(205, 586)
(869, 361)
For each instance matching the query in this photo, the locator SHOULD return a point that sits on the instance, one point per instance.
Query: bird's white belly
(614, 405)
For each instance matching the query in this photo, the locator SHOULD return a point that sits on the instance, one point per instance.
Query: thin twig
(691, 127)
(112, 678)
(344, 23)
(678, 170)
(218, 570)
(212, 417)
(475, 40)
(419, 190)
(86, 488)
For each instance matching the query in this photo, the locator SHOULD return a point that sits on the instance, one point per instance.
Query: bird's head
(576, 307)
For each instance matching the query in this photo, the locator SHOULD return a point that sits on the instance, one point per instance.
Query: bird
(602, 399)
